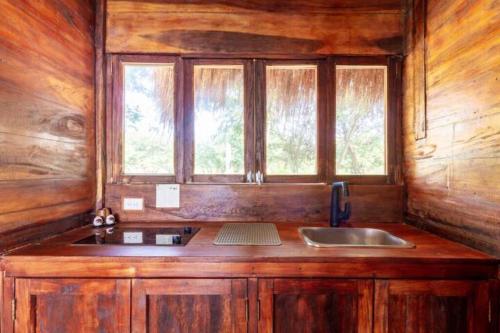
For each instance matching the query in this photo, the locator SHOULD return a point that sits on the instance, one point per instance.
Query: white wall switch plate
(167, 196)
(164, 239)
(133, 204)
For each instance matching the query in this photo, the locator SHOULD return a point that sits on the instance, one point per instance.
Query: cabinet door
(189, 305)
(431, 306)
(72, 305)
(315, 305)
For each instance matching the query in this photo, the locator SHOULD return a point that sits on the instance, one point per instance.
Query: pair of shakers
(103, 217)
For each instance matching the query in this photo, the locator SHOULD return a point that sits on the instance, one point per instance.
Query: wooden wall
(268, 202)
(47, 154)
(254, 26)
(453, 171)
(260, 28)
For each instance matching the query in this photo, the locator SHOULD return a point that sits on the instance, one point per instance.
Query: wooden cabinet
(270, 305)
(405, 306)
(315, 305)
(72, 305)
(189, 305)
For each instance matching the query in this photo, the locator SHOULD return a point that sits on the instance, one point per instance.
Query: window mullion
(260, 115)
(188, 122)
(331, 120)
(322, 120)
(249, 120)
(179, 121)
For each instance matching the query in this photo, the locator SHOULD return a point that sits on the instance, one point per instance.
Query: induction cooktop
(140, 236)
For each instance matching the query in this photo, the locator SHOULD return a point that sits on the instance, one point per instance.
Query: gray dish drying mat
(248, 234)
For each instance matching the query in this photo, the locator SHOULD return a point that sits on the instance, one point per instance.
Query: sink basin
(351, 237)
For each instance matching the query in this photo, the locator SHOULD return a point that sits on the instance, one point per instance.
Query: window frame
(254, 119)
(321, 116)
(248, 121)
(117, 130)
(393, 100)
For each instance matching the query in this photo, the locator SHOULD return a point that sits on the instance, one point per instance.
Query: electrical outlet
(133, 203)
(167, 196)
(132, 237)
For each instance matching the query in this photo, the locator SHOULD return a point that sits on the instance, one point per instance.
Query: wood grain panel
(189, 313)
(416, 45)
(34, 233)
(270, 202)
(495, 295)
(312, 305)
(47, 149)
(431, 306)
(72, 305)
(60, 198)
(453, 175)
(6, 324)
(254, 27)
(36, 117)
(316, 6)
(189, 305)
(23, 158)
(100, 100)
(28, 67)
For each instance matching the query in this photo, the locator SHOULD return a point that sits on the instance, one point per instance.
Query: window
(188, 120)
(148, 131)
(361, 109)
(291, 120)
(218, 119)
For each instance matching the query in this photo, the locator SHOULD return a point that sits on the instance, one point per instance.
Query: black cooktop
(140, 236)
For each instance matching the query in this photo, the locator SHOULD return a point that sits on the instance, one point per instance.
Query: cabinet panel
(315, 305)
(72, 305)
(431, 306)
(192, 305)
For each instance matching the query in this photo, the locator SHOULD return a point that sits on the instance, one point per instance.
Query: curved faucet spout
(336, 214)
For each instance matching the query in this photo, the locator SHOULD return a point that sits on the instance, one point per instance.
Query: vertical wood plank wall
(257, 28)
(453, 175)
(47, 154)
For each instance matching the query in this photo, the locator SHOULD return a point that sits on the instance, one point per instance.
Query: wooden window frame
(248, 122)
(260, 120)
(393, 112)
(254, 119)
(116, 133)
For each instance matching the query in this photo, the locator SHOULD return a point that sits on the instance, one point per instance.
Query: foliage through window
(291, 120)
(218, 114)
(148, 147)
(361, 120)
(223, 120)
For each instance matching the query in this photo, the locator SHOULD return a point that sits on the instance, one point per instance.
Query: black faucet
(337, 215)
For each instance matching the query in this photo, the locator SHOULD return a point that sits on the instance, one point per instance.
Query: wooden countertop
(432, 256)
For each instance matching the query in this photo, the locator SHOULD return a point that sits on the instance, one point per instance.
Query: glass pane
(149, 119)
(218, 119)
(361, 110)
(291, 120)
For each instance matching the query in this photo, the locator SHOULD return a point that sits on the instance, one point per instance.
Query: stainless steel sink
(351, 237)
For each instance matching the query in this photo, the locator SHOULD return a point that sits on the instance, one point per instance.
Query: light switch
(164, 239)
(133, 203)
(167, 196)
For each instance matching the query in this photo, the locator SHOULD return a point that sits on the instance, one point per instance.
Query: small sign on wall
(167, 196)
